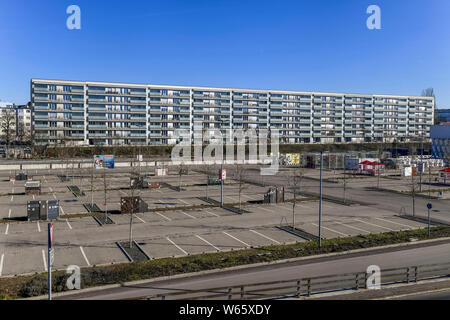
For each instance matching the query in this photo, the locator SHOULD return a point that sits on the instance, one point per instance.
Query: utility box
(274, 195)
(161, 172)
(33, 188)
(33, 210)
(213, 180)
(21, 176)
(138, 183)
(132, 205)
(280, 194)
(43, 210)
(52, 209)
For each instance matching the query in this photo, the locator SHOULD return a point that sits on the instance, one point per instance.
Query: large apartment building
(102, 113)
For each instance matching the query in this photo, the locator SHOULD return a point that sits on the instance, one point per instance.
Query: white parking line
(7, 228)
(43, 259)
(215, 215)
(207, 242)
(140, 219)
(51, 190)
(375, 225)
(34, 198)
(264, 209)
(84, 256)
(188, 215)
(265, 236)
(348, 226)
(54, 196)
(168, 219)
(12, 198)
(400, 224)
(176, 246)
(39, 227)
(62, 211)
(345, 235)
(245, 244)
(1, 264)
(184, 201)
(9, 213)
(67, 221)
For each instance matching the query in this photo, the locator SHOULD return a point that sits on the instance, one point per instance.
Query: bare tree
(8, 126)
(181, 171)
(413, 186)
(296, 183)
(207, 170)
(240, 175)
(133, 187)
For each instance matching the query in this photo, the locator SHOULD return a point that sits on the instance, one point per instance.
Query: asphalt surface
(392, 258)
(390, 201)
(441, 295)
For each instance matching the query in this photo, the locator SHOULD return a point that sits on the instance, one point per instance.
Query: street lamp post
(320, 202)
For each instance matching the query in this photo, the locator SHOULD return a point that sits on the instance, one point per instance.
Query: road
(385, 258)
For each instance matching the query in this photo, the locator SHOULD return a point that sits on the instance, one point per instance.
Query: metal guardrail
(306, 287)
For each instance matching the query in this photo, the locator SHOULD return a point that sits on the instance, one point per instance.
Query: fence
(306, 287)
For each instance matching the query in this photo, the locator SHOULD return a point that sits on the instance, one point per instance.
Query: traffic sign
(223, 174)
(429, 206)
(52, 256)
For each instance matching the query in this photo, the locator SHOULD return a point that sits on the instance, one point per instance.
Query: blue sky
(320, 45)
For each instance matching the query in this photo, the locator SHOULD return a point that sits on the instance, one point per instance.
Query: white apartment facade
(102, 113)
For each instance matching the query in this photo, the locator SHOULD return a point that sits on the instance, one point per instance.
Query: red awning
(367, 162)
(445, 170)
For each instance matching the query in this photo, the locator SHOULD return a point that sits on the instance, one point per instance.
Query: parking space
(279, 235)
(103, 253)
(26, 228)
(194, 244)
(68, 255)
(25, 260)
(161, 247)
(250, 238)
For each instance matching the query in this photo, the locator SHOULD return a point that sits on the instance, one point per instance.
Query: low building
(440, 137)
(443, 116)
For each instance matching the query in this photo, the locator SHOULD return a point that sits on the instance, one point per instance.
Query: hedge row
(165, 151)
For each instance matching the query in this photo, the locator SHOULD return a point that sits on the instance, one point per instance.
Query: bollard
(242, 293)
(309, 287)
(298, 288)
(416, 273)
(230, 295)
(357, 282)
(407, 275)
(365, 280)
